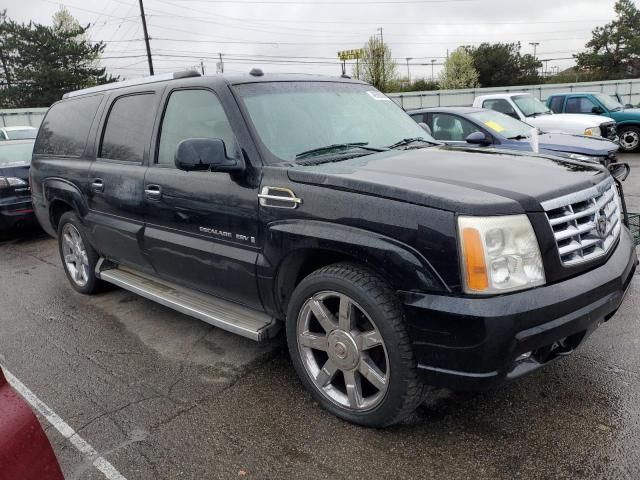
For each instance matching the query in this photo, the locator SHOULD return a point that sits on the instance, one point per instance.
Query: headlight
(6, 182)
(577, 156)
(593, 132)
(499, 254)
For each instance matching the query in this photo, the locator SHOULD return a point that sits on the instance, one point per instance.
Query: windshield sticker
(496, 127)
(378, 95)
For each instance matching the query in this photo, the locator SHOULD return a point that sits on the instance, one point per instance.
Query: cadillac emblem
(601, 223)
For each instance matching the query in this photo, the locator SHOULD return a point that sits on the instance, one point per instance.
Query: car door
(116, 179)
(583, 105)
(201, 227)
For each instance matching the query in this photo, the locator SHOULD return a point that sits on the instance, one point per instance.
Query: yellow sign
(351, 54)
(496, 127)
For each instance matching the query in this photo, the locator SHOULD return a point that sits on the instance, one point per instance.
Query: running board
(220, 313)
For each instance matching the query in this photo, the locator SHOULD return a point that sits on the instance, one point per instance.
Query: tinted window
(580, 105)
(450, 128)
(418, 117)
(499, 105)
(128, 128)
(65, 129)
(556, 104)
(193, 114)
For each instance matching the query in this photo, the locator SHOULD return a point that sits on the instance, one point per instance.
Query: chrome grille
(585, 224)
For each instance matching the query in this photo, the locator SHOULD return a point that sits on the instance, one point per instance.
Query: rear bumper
(476, 343)
(16, 212)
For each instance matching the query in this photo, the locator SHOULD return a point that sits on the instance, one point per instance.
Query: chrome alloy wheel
(629, 140)
(75, 255)
(342, 351)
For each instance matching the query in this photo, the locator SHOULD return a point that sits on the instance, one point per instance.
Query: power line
(325, 2)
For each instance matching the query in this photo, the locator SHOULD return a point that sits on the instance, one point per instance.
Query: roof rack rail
(135, 81)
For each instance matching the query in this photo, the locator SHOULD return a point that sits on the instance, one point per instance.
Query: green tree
(459, 71)
(44, 62)
(377, 66)
(501, 64)
(614, 49)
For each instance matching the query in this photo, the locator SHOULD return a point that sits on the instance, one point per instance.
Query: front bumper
(468, 343)
(16, 212)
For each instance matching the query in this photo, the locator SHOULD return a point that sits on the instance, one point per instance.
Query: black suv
(316, 203)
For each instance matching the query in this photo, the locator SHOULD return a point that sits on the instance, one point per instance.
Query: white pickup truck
(527, 108)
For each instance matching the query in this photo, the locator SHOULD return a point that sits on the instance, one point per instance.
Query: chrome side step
(220, 313)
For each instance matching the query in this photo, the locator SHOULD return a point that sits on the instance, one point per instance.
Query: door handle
(97, 185)
(153, 192)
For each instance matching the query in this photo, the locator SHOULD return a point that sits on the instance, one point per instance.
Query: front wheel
(349, 345)
(629, 138)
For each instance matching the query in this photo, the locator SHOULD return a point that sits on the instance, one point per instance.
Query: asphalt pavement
(163, 396)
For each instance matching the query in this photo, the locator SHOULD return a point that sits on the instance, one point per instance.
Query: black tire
(404, 391)
(93, 284)
(629, 139)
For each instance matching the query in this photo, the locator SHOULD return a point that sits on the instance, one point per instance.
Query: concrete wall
(22, 116)
(629, 90)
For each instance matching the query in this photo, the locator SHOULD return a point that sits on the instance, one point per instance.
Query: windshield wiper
(407, 141)
(518, 137)
(338, 147)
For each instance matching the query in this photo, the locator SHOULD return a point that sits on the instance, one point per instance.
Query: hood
(462, 180)
(558, 121)
(626, 115)
(563, 142)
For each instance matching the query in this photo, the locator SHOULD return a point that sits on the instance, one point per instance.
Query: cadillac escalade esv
(316, 204)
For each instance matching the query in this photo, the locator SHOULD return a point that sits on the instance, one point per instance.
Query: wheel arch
(62, 196)
(295, 249)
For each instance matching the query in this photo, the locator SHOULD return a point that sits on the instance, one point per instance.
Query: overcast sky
(272, 34)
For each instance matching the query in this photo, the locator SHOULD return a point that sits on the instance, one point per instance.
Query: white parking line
(63, 427)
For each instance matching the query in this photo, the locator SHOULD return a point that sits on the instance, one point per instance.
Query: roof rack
(135, 81)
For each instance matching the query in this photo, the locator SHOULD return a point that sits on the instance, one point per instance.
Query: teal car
(627, 119)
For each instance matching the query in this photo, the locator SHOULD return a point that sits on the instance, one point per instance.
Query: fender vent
(277, 197)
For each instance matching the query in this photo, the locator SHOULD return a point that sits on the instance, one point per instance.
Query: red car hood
(25, 451)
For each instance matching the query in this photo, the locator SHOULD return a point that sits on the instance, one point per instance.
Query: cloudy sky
(304, 35)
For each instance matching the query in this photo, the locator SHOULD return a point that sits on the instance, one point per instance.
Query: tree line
(40, 63)
(613, 53)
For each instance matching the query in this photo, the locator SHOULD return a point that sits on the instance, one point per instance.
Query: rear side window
(128, 128)
(499, 105)
(556, 104)
(65, 129)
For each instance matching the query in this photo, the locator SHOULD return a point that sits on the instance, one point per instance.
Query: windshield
(502, 124)
(296, 117)
(15, 154)
(23, 134)
(608, 102)
(530, 105)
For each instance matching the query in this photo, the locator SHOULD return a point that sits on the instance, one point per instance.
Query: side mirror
(425, 127)
(478, 138)
(205, 154)
(597, 110)
(619, 171)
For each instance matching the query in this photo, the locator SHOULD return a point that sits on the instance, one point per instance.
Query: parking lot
(161, 395)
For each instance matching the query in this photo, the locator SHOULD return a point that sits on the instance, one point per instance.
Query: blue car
(479, 127)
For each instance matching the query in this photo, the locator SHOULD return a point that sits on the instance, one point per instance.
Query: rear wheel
(348, 343)
(629, 138)
(78, 256)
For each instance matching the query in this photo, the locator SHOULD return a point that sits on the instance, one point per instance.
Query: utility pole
(408, 71)
(433, 61)
(535, 49)
(383, 76)
(221, 63)
(202, 66)
(146, 37)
